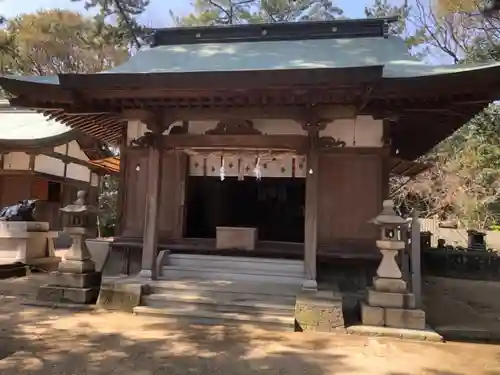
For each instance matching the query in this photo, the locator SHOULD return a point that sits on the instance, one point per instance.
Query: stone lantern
(388, 302)
(75, 280)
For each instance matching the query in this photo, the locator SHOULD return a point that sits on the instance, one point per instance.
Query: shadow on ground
(54, 341)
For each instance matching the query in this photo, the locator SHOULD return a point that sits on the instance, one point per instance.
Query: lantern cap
(388, 216)
(80, 206)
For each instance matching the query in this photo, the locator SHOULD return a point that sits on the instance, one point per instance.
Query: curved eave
(48, 87)
(484, 79)
(416, 133)
(106, 127)
(38, 143)
(220, 80)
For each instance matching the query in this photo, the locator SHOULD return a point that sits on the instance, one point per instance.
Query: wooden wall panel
(134, 194)
(350, 194)
(15, 189)
(171, 220)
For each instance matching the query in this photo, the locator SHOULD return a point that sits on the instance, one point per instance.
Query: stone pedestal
(319, 311)
(76, 280)
(388, 302)
(236, 238)
(27, 242)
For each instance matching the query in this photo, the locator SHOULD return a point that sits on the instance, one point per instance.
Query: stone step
(224, 287)
(280, 266)
(279, 307)
(179, 273)
(197, 316)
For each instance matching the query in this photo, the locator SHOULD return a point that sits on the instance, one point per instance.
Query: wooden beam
(258, 142)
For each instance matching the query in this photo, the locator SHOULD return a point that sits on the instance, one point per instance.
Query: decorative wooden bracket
(327, 143)
(234, 127)
(313, 126)
(148, 140)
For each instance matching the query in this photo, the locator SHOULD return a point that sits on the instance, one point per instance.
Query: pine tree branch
(127, 21)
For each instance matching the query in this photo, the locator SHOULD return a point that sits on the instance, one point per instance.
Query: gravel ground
(36, 340)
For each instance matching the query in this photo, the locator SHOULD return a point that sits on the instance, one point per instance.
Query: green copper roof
(277, 55)
(391, 52)
(25, 125)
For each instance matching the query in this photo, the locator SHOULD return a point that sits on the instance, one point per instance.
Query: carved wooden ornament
(234, 127)
(148, 140)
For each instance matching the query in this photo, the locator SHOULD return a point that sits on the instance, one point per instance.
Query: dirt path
(46, 341)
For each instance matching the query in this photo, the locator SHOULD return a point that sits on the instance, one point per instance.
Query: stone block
(76, 266)
(387, 299)
(99, 250)
(390, 245)
(319, 311)
(121, 295)
(405, 318)
(236, 238)
(390, 285)
(51, 293)
(75, 280)
(372, 316)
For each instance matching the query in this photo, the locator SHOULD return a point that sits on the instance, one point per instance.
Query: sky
(158, 12)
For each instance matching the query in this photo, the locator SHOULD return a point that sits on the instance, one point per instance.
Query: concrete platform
(427, 334)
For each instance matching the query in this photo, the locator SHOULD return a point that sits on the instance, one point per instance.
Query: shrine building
(42, 158)
(262, 141)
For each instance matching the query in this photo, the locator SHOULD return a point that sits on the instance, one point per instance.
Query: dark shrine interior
(275, 206)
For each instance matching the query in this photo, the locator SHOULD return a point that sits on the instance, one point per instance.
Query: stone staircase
(212, 289)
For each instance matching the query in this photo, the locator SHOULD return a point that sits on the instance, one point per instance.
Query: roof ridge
(331, 29)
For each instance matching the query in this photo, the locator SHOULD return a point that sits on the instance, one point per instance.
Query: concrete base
(392, 317)
(390, 299)
(121, 293)
(25, 242)
(75, 280)
(427, 334)
(52, 293)
(76, 266)
(309, 286)
(71, 287)
(319, 311)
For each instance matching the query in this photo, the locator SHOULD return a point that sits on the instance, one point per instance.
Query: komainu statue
(22, 211)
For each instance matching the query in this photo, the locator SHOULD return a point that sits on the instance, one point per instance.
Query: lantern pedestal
(75, 280)
(388, 302)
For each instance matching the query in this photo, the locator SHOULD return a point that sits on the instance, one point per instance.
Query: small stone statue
(22, 211)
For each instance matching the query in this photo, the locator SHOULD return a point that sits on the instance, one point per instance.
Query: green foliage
(108, 202)
(227, 12)
(117, 20)
(56, 41)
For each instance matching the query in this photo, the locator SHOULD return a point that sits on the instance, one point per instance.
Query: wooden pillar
(416, 271)
(153, 187)
(311, 203)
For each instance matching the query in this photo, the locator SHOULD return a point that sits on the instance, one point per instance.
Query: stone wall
(455, 237)
(465, 304)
